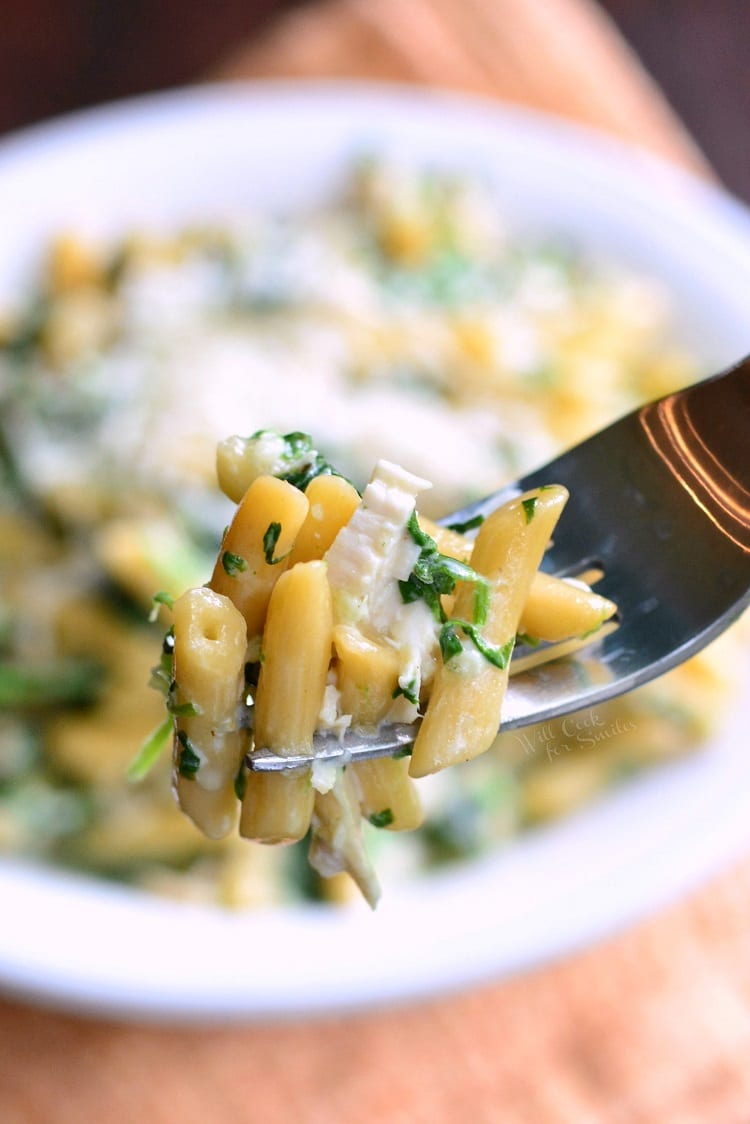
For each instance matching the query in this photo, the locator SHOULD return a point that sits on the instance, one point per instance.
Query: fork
(660, 504)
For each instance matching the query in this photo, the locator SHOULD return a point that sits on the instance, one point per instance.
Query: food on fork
(326, 610)
(403, 314)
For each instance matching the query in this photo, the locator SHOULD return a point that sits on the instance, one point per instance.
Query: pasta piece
(296, 655)
(367, 674)
(290, 456)
(333, 501)
(209, 666)
(276, 807)
(387, 797)
(255, 549)
(557, 609)
(297, 644)
(463, 715)
(240, 461)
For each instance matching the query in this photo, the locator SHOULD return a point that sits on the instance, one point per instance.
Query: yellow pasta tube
(209, 665)
(463, 714)
(387, 797)
(294, 668)
(297, 643)
(255, 550)
(276, 807)
(333, 501)
(233, 472)
(367, 674)
(556, 609)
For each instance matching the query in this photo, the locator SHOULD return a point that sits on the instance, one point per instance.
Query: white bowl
(206, 152)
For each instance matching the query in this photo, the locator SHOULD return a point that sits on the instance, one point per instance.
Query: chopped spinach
(149, 752)
(434, 574)
(161, 598)
(529, 507)
(233, 564)
(450, 644)
(240, 782)
(467, 525)
(409, 692)
(381, 819)
(181, 710)
(270, 540)
(188, 761)
(161, 675)
(307, 462)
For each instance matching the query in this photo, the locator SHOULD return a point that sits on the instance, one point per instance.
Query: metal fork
(660, 502)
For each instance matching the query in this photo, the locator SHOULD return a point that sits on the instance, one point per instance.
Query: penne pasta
(367, 675)
(277, 808)
(255, 549)
(209, 664)
(557, 609)
(296, 655)
(463, 716)
(235, 470)
(333, 501)
(387, 797)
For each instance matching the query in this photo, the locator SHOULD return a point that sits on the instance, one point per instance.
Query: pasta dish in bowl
(402, 306)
